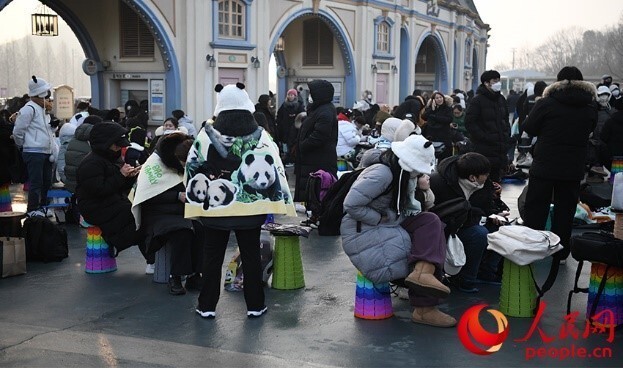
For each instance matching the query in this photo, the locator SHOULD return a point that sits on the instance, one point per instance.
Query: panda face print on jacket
(210, 193)
(258, 175)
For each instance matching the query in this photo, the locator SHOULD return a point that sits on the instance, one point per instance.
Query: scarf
(154, 178)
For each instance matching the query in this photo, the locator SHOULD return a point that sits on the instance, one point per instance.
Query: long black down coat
(562, 122)
(103, 191)
(317, 138)
(164, 212)
(486, 120)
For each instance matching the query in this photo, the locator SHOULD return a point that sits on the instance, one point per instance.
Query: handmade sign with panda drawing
(235, 172)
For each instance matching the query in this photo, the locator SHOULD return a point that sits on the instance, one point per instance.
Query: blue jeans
(478, 259)
(39, 170)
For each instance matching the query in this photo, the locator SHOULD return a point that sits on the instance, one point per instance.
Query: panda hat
(234, 111)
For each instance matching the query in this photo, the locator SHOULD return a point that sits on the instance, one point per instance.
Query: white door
(382, 88)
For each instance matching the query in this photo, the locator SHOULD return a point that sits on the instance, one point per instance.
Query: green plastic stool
(287, 263)
(518, 294)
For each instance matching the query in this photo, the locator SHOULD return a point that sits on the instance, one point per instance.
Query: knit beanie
(232, 97)
(292, 91)
(603, 90)
(415, 154)
(38, 87)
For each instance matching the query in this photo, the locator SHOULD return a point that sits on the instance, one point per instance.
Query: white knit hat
(388, 129)
(415, 154)
(603, 90)
(38, 87)
(232, 97)
(406, 128)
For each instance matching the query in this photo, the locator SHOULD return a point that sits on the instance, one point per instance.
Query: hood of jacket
(321, 91)
(447, 170)
(83, 131)
(166, 150)
(573, 92)
(103, 135)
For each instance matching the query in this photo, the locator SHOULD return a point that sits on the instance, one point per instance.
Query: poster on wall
(156, 100)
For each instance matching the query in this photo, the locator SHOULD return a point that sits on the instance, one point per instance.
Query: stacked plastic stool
(517, 294)
(162, 267)
(372, 301)
(98, 259)
(287, 263)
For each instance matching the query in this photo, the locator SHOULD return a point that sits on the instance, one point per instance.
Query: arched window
(383, 38)
(231, 19)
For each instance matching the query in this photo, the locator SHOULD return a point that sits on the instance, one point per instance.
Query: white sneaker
(299, 208)
(38, 213)
(210, 315)
(255, 314)
(149, 269)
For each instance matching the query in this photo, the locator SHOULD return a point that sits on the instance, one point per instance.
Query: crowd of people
(187, 188)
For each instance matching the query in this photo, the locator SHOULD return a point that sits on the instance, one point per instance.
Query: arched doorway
(70, 13)
(301, 51)
(431, 66)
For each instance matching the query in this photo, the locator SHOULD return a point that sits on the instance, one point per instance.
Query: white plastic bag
(522, 245)
(455, 255)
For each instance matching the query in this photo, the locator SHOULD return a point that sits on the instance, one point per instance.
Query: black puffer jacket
(285, 119)
(164, 212)
(445, 185)
(437, 128)
(562, 121)
(612, 134)
(317, 138)
(102, 190)
(486, 120)
(7, 152)
(77, 149)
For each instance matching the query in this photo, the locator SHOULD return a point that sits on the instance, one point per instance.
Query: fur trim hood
(573, 92)
(166, 150)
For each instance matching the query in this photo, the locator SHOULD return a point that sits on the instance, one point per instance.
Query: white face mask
(496, 87)
(603, 100)
(475, 184)
(310, 99)
(615, 93)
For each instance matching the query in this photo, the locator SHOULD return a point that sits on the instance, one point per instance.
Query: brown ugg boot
(423, 281)
(432, 316)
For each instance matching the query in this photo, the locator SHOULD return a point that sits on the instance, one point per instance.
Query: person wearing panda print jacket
(234, 178)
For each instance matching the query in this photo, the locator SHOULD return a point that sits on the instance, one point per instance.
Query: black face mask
(48, 95)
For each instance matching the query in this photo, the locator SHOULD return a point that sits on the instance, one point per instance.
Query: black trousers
(214, 252)
(186, 252)
(564, 195)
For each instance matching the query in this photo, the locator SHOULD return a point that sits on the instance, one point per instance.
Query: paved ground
(58, 316)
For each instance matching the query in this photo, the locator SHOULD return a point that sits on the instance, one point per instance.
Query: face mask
(496, 87)
(603, 100)
(369, 97)
(310, 99)
(615, 93)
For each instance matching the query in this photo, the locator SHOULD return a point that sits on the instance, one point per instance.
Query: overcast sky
(529, 23)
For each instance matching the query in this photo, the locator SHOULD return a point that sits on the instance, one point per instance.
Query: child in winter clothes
(347, 138)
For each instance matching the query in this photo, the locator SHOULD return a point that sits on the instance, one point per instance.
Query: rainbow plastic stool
(517, 294)
(372, 301)
(287, 263)
(611, 298)
(5, 199)
(98, 259)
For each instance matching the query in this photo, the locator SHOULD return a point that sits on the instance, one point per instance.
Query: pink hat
(293, 92)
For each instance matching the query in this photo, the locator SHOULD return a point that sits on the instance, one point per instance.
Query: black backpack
(45, 241)
(332, 205)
